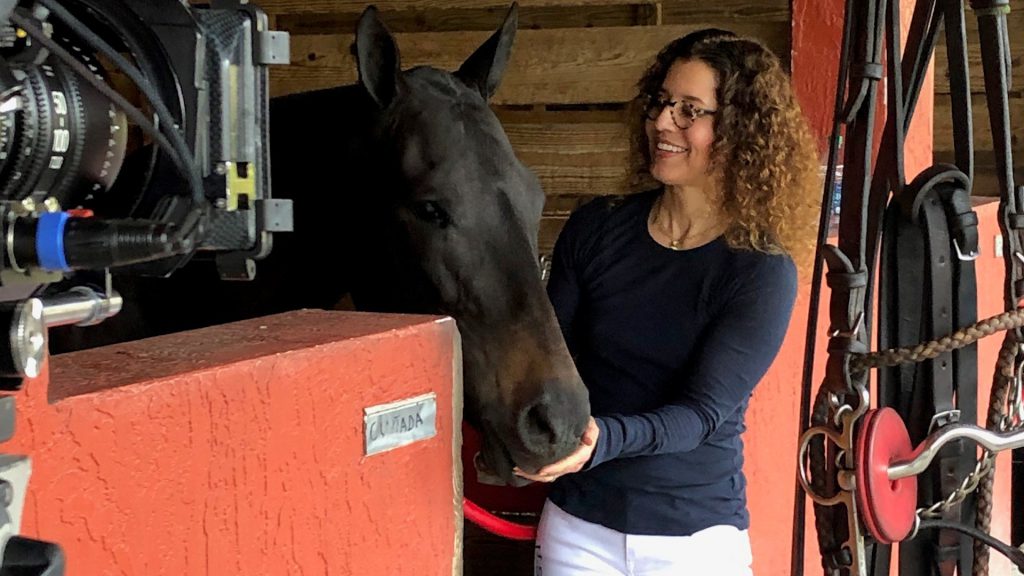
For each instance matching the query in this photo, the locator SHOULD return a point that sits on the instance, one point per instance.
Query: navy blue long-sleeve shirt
(670, 345)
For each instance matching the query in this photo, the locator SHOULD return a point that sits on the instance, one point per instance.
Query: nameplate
(390, 426)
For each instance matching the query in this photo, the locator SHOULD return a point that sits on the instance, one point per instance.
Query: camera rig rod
(81, 306)
(27, 321)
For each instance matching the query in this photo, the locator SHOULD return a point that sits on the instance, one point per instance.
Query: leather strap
(928, 291)
(849, 269)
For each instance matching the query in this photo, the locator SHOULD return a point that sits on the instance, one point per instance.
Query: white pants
(569, 546)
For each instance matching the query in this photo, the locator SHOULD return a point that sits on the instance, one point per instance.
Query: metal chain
(984, 467)
(1013, 418)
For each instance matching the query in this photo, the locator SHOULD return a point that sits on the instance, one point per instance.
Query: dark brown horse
(408, 197)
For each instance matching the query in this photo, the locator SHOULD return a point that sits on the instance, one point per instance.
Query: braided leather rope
(927, 350)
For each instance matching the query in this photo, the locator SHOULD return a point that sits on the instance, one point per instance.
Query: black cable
(183, 240)
(1015, 555)
(120, 101)
(164, 116)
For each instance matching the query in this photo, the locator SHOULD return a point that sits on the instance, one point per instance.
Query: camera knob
(27, 338)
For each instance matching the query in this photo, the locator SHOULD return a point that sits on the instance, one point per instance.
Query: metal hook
(853, 332)
(973, 255)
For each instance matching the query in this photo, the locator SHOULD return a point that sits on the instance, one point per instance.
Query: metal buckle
(944, 418)
(973, 255)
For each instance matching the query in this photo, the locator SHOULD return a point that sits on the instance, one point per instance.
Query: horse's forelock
(432, 85)
(445, 122)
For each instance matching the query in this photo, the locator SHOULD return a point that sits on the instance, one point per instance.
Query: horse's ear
(377, 57)
(483, 70)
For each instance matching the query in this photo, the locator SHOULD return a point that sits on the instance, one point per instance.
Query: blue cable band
(50, 241)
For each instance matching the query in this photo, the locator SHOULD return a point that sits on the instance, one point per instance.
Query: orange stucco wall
(239, 450)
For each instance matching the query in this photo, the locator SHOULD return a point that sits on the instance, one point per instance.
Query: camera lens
(59, 137)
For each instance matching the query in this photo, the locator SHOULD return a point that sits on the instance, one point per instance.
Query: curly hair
(764, 154)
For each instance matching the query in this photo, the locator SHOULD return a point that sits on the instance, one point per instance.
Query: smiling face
(681, 156)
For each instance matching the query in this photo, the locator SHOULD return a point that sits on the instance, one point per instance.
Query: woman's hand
(571, 463)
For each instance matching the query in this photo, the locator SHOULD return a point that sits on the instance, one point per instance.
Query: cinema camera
(133, 137)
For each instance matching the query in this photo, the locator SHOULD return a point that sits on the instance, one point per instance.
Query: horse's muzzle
(492, 477)
(549, 428)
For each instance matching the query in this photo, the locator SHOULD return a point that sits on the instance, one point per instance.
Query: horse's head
(468, 213)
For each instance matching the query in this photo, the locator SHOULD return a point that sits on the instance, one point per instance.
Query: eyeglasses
(684, 114)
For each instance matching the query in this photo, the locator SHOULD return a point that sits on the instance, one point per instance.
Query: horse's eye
(432, 212)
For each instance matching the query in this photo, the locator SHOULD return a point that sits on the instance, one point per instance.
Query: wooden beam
(486, 19)
(563, 206)
(1015, 24)
(550, 228)
(736, 10)
(986, 183)
(594, 65)
(730, 12)
(943, 125)
(573, 159)
(311, 6)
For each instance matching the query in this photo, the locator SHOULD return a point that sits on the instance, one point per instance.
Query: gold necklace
(674, 243)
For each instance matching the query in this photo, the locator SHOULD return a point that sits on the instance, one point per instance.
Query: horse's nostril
(549, 425)
(538, 428)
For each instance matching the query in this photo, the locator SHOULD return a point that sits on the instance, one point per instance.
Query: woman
(674, 303)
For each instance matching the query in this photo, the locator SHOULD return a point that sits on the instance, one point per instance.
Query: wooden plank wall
(573, 68)
(985, 182)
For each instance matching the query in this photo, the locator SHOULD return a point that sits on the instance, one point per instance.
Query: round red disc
(888, 507)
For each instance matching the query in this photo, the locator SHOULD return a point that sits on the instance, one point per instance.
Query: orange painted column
(240, 449)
